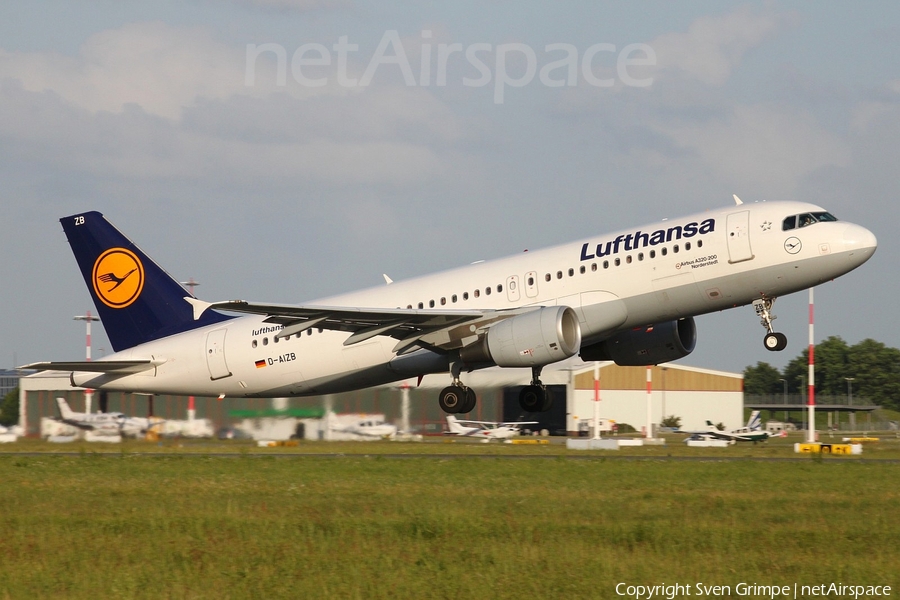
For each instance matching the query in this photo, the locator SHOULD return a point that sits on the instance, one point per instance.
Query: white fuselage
(650, 274)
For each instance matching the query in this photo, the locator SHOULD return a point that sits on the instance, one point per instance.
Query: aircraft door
(512, 288)
(531, 286)
(737, 226)
(215, 354)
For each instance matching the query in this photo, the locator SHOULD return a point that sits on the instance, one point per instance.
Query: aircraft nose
(857, 237)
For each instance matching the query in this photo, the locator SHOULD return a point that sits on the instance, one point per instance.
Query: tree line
(872, 368)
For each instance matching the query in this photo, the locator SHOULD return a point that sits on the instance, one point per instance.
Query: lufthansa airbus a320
(628, 296)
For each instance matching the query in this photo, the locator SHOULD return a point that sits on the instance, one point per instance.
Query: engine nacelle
(540, 337)
(649, 345)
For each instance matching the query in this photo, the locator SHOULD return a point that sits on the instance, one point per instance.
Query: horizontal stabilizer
(113, 367)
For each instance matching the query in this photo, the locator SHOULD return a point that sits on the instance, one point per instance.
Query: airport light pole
(87, 318)
(850, 381)
(192, 408)
(784, 381)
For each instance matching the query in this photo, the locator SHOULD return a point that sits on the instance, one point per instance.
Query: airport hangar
(693, 394)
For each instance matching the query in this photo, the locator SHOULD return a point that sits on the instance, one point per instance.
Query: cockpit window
(806, 219)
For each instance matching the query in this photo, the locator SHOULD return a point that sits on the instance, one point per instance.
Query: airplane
(368, 428)
(752, 432)
(628, 296)
(484, 430)
(104, 424)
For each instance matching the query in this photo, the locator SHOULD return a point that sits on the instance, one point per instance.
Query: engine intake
(540, 337)
(648, 345)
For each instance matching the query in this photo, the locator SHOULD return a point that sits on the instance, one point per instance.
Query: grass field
(188, 525)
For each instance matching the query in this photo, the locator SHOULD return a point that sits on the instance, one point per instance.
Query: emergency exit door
(737, 226)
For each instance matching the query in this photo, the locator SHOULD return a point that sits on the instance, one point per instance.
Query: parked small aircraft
(486, 430)
(368, 428)
(104, 424)
(751, 432)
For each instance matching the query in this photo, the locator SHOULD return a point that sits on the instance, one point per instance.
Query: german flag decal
(260, 364)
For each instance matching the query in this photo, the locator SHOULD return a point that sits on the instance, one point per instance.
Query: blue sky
(286, 193)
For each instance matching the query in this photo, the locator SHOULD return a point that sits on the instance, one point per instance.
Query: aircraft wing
(436, 329)
(112, 367)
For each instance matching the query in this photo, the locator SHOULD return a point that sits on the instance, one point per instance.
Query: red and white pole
(596, 401)
(811, 402)
(649, 432)
(87, 318)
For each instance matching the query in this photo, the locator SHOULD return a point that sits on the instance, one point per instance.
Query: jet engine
(537, 338)
(648, 345)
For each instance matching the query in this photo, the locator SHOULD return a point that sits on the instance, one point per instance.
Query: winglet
(387, 280)
(199, 306)
(737, 200)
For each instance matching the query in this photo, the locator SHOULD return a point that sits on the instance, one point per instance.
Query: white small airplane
(368, 428)
(751, 432)
(629, 296)
(485, 430)
(104, 424)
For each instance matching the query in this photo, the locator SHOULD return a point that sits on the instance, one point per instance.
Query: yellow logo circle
(118, 277)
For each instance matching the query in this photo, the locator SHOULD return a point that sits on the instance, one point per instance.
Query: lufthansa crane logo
(118, 277)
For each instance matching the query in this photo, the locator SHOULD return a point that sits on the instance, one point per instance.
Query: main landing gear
(535, 397)
(773, 341)
(458, 398)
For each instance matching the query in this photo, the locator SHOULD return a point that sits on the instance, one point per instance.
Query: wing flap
(436, 329)
(112, 367)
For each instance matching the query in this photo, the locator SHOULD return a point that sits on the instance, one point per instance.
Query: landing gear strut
(773, 341)
(457, 398)
(535, 397)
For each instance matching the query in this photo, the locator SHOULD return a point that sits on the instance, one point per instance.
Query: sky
(286, 150)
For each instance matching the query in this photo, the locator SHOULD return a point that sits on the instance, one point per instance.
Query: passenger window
(618, 262)
(431, 304)
(487, 291)
(581, 269)
(465, 295)
(421, 306)
(593, 266)
(443, 301)
(664, 252)
(547, 277)
(640, 256)
(255, 344)
(675, 249)
(571, 272)
(653, 254)
(687, 246)
(453, 298)
(265, 341)
(499, 288)
(605, 264)
(559, 274)
(628, 259)
(531, 281)
(477, 293)
(699, 243)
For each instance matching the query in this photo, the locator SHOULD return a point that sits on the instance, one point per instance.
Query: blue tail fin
(136, 300)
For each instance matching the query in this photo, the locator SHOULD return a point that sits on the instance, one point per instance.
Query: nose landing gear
(773, 341)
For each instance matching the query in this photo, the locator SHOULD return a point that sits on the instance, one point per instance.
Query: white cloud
(713, 46)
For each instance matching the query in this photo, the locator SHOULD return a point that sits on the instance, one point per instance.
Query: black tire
(471, 401)
(452, 399)
(532, 398)
(548, 401)
(775, 342)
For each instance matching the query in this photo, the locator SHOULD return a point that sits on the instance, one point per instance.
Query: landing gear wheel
(471, 401)
(533, 398)
(776, 342)
(453, 399)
